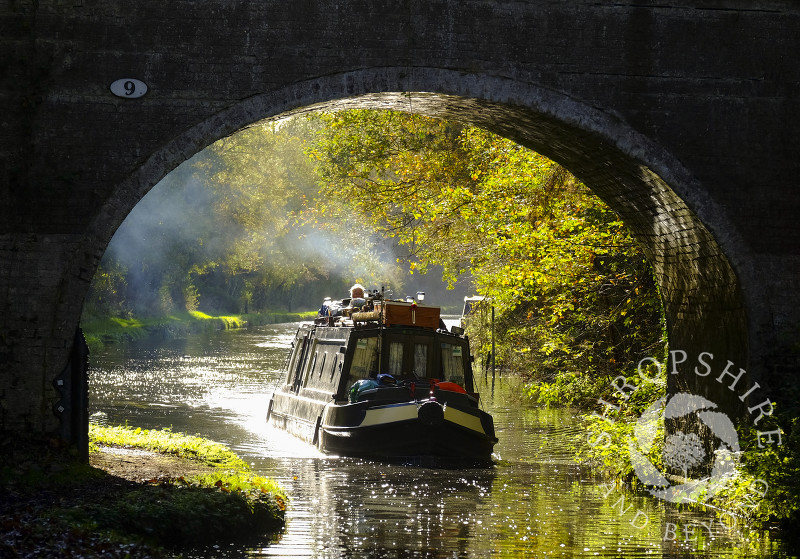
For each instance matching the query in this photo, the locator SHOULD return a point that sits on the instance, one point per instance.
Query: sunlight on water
(535, 502)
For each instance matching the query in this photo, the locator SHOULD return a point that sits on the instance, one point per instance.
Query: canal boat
(383, 379)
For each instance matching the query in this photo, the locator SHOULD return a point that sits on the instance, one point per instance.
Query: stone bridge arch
(694, 250)
(642, 103)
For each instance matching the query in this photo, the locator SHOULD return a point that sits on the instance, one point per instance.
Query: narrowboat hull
(399, 430)
(408, 430)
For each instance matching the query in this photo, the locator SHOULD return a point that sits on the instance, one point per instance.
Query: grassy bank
(227, 502)
(51, 502)
(109, 330)
(165, 441)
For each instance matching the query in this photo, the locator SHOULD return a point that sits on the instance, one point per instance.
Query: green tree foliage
(575, 297)
(244, 227)
(219, 234)
(258, 177)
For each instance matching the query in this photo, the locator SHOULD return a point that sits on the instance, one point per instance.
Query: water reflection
(535, 502)
(356, 508)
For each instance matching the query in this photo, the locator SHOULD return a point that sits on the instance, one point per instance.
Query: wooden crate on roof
(400, 313)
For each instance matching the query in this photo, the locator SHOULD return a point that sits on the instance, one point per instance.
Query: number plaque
(129, 88)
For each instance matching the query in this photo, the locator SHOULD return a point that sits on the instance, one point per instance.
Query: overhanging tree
(575, 296)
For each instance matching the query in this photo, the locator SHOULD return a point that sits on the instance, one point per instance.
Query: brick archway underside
(698, 284)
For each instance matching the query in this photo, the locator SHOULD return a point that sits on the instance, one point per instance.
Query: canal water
(535, 502)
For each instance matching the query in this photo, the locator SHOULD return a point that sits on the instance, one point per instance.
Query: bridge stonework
(685, 118)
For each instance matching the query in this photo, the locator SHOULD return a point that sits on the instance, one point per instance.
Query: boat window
(453, 363)
(333, 364)
(365, 359)
(421, 360)
(322, 365)
(396, 358)
(297, 350)
(298, 361)
(310, 371)
(289, 362)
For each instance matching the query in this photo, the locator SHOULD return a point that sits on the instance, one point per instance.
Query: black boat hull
(405, 440)
(401, 430)
(412, 429)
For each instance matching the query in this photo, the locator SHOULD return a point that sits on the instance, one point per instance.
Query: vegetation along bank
(100, 331)
(146, 494)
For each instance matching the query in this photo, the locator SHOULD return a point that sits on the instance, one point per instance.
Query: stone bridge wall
(684, 117)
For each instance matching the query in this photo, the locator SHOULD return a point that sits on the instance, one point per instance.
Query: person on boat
(324, 309)
(357, 296)
(330, 308)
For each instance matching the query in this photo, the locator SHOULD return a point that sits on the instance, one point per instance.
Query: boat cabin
(327, 361)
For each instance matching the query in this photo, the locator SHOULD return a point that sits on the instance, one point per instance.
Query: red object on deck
(451, 386)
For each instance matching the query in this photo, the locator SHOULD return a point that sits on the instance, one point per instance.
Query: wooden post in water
(493, 362)
(380, 328)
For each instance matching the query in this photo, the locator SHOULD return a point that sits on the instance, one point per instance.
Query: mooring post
(493, 361)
